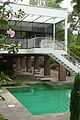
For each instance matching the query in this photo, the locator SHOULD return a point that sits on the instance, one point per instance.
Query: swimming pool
(43, 98)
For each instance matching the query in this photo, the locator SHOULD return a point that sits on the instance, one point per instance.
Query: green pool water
(43, 99)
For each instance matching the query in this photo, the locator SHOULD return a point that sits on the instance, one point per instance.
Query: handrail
(70, 50)
(75, 59)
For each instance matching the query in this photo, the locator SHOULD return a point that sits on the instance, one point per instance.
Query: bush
(2, 118)
(4, 78)
(75, 100)
(54, 66)
(18, 82)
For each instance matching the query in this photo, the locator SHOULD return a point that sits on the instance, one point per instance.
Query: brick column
(10, 64)
(1, 64)
(62, 73)
(18, 63)
(36, 63)
(46, 65)
(28, 63)
(23, 64)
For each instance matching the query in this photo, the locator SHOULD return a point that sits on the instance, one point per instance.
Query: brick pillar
(46, 65)
(1, 68)
(28, 63)
(18, 63)
(36, 63)
(23, 64)
(10, 64)
(62, 73)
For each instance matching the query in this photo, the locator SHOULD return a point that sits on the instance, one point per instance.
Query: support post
(46, 65)
(66, 34)
(28, 63)
(18, 63)
(36, 63)
(54, 33)
(23, 65)
(61, 73)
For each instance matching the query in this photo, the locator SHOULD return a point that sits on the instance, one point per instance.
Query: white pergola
(41, 15)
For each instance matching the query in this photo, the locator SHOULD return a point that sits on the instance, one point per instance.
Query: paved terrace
(12, 109)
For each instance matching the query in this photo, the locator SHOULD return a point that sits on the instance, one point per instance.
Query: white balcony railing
(39, 42)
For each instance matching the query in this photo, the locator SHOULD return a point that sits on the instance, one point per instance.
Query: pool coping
(12, 109)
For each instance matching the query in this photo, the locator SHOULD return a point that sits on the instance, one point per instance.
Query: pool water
(43, 98)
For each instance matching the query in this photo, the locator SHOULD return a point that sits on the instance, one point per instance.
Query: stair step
(62, 62)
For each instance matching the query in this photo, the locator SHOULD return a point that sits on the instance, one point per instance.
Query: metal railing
(70, 55)
(47, 42)
(38, 42)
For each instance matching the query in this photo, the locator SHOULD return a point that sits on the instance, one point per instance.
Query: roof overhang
(39, 14)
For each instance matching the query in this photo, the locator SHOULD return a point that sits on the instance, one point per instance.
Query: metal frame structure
(41, 15)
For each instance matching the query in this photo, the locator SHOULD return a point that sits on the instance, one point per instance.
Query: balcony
(41, 45)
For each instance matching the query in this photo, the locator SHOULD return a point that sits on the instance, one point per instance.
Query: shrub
(18, 82)
(54, 66)
(75, 100)
(1, 117)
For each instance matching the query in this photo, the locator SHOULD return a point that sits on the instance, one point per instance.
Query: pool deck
(12, 109)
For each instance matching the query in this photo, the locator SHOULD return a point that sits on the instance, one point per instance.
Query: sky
(65, 3)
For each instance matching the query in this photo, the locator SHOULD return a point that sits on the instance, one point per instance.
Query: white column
(66, 34)
(54, 32)
(54, 29)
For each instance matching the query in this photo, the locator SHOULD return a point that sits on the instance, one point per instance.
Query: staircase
(58, 51)
(70, 61)
(65, 62)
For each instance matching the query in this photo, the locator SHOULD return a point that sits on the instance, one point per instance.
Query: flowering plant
(5, 15)
(6, 43)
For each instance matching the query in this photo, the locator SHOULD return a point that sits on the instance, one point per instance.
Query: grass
(2, 118)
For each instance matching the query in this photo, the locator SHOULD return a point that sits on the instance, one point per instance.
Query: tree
(75, 100)
(75, 19)
(5, 15)
(47, 3)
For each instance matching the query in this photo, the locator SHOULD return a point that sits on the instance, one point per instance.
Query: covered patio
(36, 14)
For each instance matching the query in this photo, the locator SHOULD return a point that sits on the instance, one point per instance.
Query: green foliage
(76, 6)
(72, 38)
(6, 44)
(4, 78)
(12, 48)
(75, 16)
(3, 40)
(75, 100)
(60, 31)
(48, 3)
(33, 2)
(3, 22)
(58, 1)
(5, 14)
(75, 49)
(54, 66)
(1, 117)
(41, 62)
(18, 82)
(52, 3)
